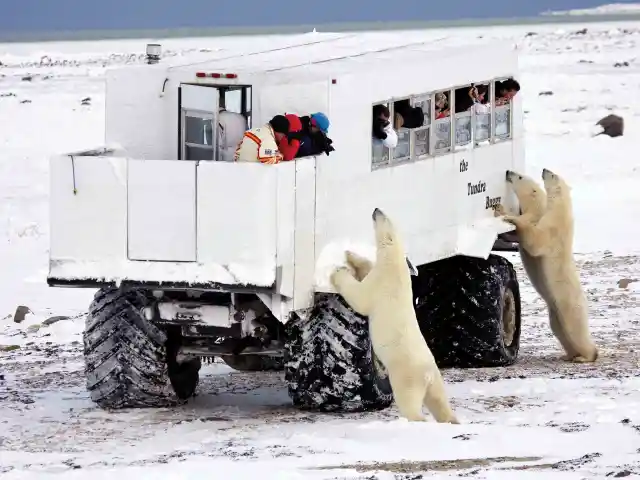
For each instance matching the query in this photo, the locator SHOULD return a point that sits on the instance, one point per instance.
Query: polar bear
(382, 292)
(555, 276)
(532, 199)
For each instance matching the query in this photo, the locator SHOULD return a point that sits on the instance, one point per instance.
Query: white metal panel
(305, 259)
(89, 225)
(285, 226)
(490, 164)
(364, 50)
(196, 97)
(237, 208)
(137, 115)
(297, 98)
(161, 210)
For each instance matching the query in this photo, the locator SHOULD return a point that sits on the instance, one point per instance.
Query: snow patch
(118, 271)
(332, 256)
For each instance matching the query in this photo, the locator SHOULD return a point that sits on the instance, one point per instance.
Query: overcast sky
(55, 15)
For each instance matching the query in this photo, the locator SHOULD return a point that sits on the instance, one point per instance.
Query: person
(315, 128)
(382, 129)
(260, 144)
(506, 90)
(231, 128)
(290, 143)
(473, 97)
(442, 109)
(406, 116)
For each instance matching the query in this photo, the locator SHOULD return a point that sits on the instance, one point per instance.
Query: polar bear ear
(412, 270)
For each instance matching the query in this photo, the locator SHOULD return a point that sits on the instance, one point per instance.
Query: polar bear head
(389, 246)
(557, 189)
(383, 228)
(531, 196)
(386, 236)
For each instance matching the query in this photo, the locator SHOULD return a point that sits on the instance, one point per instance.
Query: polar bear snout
(377, 213)
(547, 174)
(511, 176)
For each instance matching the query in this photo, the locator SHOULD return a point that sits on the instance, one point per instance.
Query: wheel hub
(508, 317)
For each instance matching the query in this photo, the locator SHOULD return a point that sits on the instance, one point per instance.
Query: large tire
(329, 364)
(130, 362)
(468, 310)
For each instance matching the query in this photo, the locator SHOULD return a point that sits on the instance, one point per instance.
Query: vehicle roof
(329, 54)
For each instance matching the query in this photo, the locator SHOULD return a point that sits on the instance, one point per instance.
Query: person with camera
(315, 141)
(382, 129)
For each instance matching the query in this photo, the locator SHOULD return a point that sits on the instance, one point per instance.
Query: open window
(402, 122)
(503, 93)
(462, 120)
(206, 132)
(441, 134)
(380, 154)
(421, 134)
(482, 114)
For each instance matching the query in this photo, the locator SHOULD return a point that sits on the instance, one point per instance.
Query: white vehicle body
(132, 211)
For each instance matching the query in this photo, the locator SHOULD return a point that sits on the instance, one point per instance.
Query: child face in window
(441, 101)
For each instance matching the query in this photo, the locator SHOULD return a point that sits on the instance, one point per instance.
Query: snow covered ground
(541, 419)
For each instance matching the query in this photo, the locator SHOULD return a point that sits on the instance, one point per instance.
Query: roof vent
(154, 51)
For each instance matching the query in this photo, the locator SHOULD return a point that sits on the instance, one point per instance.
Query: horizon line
(192, 32)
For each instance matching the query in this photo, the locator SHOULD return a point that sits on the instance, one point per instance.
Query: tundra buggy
(195, 257)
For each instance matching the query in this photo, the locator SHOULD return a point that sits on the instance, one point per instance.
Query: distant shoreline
(88, 35)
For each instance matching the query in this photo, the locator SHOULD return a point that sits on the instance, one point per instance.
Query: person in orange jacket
(289, 144)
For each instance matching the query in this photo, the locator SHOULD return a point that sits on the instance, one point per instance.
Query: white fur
(545, 230)
(382, 292)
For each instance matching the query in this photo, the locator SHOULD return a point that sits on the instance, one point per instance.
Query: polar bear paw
(578, 359)
(333, 278)
(499, 210)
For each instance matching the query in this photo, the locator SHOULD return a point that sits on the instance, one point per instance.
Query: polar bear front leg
(361, 265)
(535, 239)
(353, 292)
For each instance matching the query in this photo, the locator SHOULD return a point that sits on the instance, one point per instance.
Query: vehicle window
(194, 152)
(421, 135)
(403, 122)
(502, 116)
(233, 100)
(402, 151)
(198, 130)
(442, 122)
(482, 114)
(464, 100)
(381, 117)
(427, 124)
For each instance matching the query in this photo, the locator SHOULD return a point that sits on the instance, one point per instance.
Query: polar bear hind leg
(408, 393)
(558, 332)
(583, 354)
(353, 291)
(437, 403)
(361, 265)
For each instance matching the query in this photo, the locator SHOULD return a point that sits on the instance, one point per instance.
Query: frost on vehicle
(197, 257)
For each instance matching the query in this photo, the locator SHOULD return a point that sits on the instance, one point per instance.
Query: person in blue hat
(314, 139)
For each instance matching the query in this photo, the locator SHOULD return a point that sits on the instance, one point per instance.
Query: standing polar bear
(382, 292)
(545, 231)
